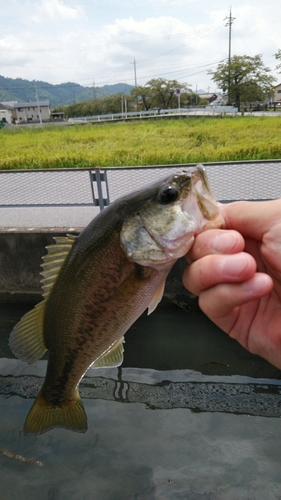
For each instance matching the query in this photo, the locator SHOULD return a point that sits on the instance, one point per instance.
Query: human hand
(236, 274)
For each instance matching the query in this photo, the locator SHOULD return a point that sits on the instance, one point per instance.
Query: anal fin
(112, 358)
(26, 340)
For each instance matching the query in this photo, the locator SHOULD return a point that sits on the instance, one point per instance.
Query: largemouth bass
(97, 284)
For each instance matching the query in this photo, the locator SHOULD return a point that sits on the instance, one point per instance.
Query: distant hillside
(17, 89)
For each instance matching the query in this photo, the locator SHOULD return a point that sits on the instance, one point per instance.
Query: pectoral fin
(157, 298)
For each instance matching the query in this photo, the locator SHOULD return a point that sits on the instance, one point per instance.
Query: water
(189, 415)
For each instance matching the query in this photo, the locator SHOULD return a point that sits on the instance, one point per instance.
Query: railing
(157, 113)
(99, 187)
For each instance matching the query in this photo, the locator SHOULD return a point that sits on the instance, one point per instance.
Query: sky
(95, 43)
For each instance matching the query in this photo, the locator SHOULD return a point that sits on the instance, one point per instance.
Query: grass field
(158, 142)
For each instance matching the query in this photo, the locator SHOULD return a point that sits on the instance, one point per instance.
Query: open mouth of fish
(201, 212)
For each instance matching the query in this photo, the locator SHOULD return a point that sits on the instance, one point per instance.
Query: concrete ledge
(21, 252)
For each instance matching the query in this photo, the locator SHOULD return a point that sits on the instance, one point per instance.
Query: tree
(105, 105)
(160, 93)
(247, 79)
(278, 57)
(144, 92)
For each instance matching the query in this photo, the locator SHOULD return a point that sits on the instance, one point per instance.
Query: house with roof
(25, 112)
(208, 97)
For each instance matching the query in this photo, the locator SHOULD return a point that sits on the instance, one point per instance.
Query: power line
(189, 42)
(200, 33)
(70, 85)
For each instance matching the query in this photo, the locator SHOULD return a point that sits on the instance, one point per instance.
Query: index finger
(252, 219)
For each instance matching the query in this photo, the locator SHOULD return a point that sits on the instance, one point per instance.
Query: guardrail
(157, 113)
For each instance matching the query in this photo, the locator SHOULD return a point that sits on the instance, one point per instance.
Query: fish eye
(168, 194)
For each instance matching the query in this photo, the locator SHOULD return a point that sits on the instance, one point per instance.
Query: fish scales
(113, 294)
(96, 285)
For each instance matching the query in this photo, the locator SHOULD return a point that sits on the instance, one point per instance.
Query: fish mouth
(206, 209)
(200, 211)
(155, 236)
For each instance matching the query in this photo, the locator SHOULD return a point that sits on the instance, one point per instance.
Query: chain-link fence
(88, 187)
(45, 188)
(228, 181)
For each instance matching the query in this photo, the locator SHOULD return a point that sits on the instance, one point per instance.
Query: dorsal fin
(54, 261)
(27, 337)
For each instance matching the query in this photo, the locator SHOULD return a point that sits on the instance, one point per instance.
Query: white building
(25, 112)
(277, 93)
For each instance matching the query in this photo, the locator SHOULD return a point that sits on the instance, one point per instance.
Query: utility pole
(136, 84)
(135, 71)
(94, 88)
(230, 20)
(38, 106)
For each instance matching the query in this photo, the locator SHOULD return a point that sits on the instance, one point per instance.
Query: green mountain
(17, 89)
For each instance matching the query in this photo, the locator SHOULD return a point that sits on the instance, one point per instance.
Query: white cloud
(86, 40)
(13, 51)
(56, 10)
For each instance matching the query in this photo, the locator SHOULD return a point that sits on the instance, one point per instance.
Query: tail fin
(43, 416)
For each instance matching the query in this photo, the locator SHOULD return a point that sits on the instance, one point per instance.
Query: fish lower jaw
(178, 247)
(170, 255)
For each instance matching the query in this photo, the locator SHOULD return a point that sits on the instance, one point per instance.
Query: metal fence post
(98, 177)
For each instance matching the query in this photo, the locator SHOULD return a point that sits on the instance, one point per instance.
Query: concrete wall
(21, 254)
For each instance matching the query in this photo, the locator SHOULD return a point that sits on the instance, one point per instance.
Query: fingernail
(258, 284)
(225, 242)
(234, 265)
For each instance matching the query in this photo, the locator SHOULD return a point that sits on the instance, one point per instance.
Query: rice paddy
(155, 142)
